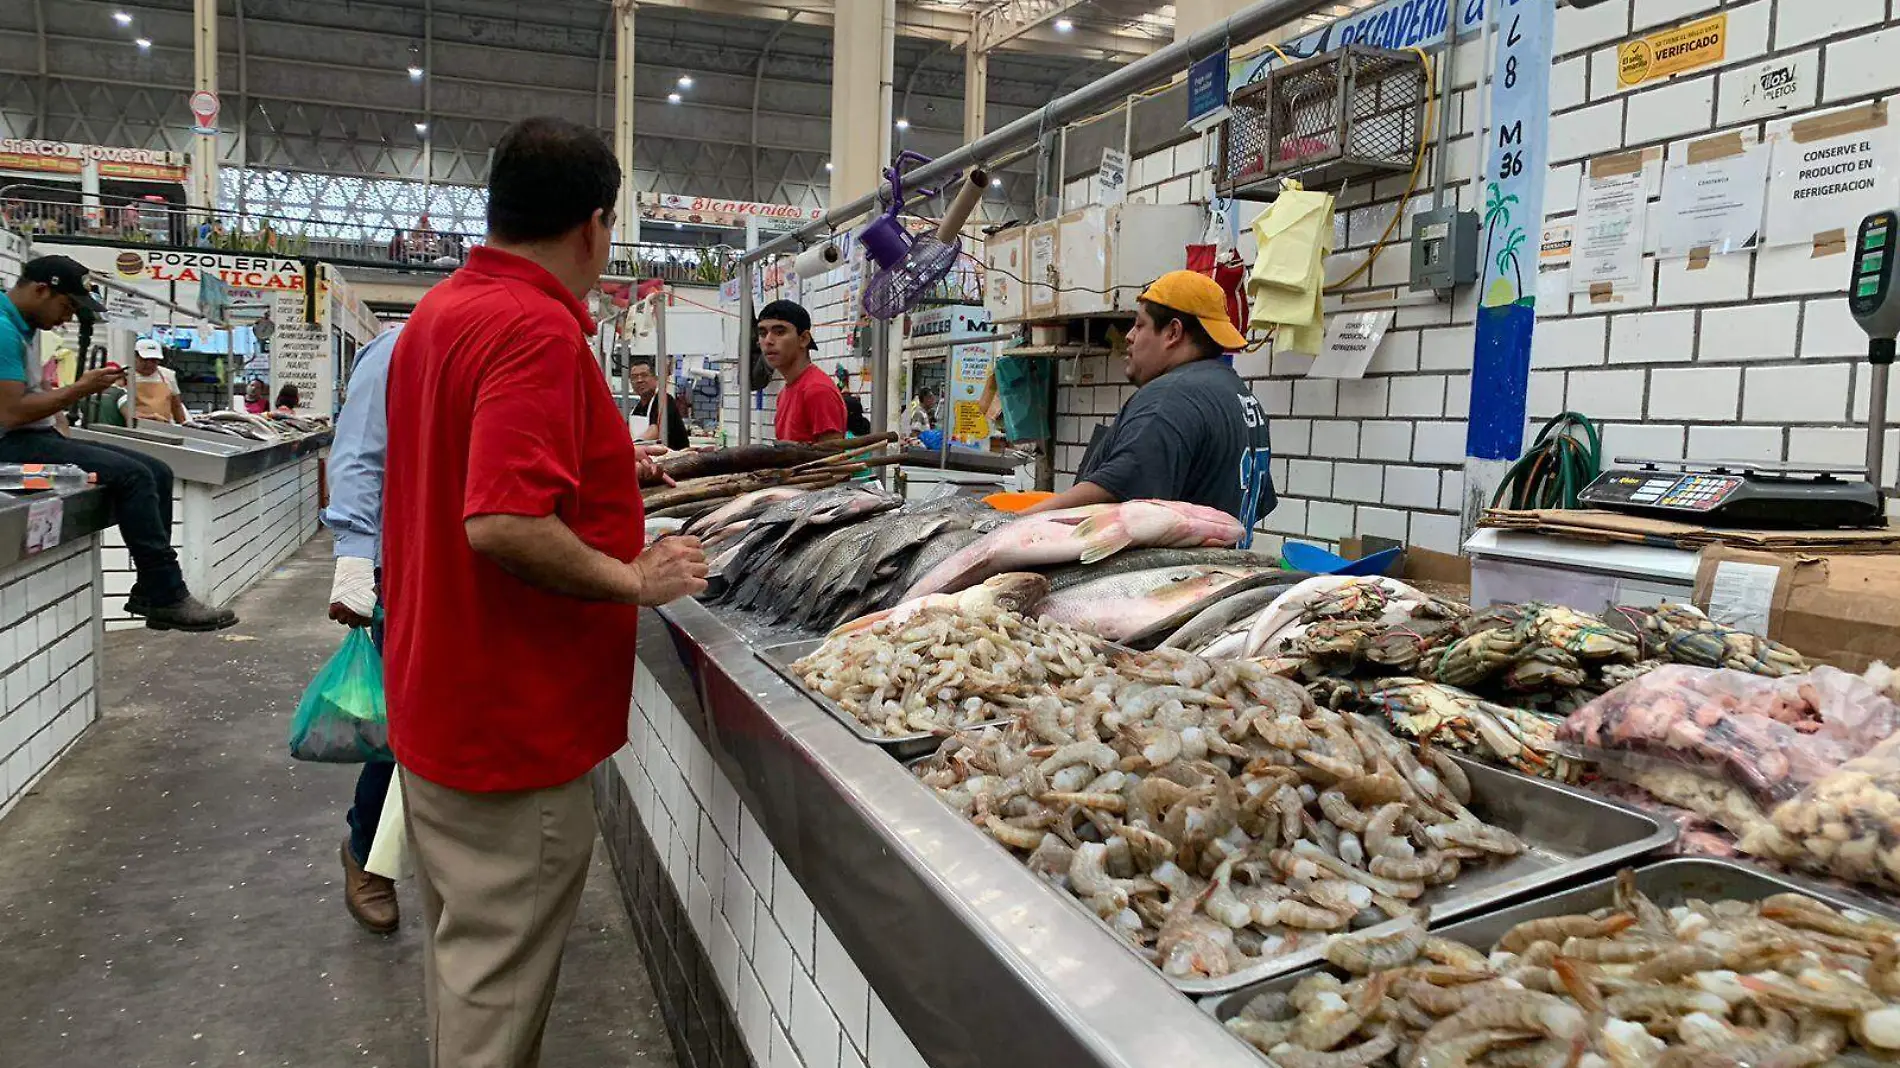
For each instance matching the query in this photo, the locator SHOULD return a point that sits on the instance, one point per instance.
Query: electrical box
(1003, 274)
(1444, 249)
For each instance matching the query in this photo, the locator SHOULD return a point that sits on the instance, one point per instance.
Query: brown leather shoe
(371, 898)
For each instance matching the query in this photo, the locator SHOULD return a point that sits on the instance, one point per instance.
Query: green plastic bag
(341, 718)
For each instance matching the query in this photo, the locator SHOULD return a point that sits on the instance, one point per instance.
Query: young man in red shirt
(513, 572)
(810, 407)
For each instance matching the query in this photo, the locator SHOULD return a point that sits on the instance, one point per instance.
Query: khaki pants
(501, 877)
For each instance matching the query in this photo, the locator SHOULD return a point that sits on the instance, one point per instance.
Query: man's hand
(648, 467)
(353, 591)
(98, 380)
(669, 569)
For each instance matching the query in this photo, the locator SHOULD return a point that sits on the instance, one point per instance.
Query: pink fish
(1086, 534)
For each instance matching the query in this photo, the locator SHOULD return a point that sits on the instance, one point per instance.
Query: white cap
(148, 349)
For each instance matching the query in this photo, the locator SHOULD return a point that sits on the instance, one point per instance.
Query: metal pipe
(662, 364)
(1445, 81)
(1483, 89)
(880, 375)
(745, 351)
(1142, 74)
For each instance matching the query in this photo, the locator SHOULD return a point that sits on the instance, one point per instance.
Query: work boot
(189, 613)
(371, 898)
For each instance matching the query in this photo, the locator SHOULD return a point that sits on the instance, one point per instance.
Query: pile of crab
(1210, 813)
(1786, 981)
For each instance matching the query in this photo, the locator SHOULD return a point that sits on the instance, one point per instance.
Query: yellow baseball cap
(1197, 295)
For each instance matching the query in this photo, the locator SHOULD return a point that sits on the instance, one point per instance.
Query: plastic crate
(1356, 112)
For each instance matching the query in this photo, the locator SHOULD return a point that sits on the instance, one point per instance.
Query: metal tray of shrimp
(902, 747)
(1668, 883)
(1569, 835)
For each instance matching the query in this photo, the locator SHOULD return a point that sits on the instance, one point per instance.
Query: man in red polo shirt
(810, 407)
(513, 572)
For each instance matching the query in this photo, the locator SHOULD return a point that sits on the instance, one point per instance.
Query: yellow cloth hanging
(1285, 288)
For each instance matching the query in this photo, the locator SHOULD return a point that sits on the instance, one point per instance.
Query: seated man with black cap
(50, 292)
(810, 407)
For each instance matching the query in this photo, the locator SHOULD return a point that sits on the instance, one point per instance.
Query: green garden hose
(1566, 456)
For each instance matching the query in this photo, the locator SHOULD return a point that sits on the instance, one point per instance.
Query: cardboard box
(1839, 609)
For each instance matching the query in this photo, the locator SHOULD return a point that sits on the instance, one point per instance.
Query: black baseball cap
(63, 274)
(786, 311)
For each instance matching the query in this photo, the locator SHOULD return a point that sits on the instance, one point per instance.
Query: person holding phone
(50, 292)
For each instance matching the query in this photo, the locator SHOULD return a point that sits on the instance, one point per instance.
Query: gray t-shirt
(1195, 434)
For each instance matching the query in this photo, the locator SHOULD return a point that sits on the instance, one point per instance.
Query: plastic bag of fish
(1787, 981)
(1210, 813)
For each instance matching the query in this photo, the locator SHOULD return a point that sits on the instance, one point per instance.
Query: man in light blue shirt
(355, 519)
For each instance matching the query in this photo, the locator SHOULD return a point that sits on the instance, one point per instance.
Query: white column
(629, 209)
(204, 154)
(976, 92)
(860, 96)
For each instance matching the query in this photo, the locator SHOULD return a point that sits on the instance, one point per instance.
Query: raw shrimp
(1558, 928)
(1366, 1053)
(1378, 950)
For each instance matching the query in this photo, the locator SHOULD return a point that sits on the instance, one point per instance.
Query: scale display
(1737, 494)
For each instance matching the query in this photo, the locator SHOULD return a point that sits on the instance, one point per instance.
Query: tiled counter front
(228, 536)
(49, 663)
(748, 974)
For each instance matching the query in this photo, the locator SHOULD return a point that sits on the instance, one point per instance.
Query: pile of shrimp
(945, 667)
(1787, 982)
(1209, 812)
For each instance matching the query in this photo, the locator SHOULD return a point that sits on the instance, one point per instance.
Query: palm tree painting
(1509, 255)
(1497, 216)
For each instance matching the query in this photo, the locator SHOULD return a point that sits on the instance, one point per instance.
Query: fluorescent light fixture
(903, 124)
(996, 183)
(122, 18)
(415, 73)
(1064, 25)
(827, 164)
(686, 81)
(422, 127)
(144, 43)
(672, 98)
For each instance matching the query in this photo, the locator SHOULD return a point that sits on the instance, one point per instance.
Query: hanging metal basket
(1356, 112)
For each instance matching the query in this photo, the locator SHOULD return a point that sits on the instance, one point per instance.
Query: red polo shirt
(808, 406)
(497, 407)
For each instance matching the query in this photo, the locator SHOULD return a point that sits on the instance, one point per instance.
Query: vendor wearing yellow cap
(1193, 431)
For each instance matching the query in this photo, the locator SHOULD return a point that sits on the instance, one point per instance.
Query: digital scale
(1742, 493)
(1738, 493)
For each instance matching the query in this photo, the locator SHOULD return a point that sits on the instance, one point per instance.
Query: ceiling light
(672, 98)
(686, 81)
(1064, 25)
(415, 73)
(122, 18)
(827, 164)
(143, 43)
(903, 124)
(422, 127)
(996, 183)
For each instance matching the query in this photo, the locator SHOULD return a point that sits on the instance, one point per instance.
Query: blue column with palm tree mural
(1515, 166)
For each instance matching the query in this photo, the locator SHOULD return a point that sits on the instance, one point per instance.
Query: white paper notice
(1609, 234)
(1822, 182)
(1712, 205)
(1553, 270)
(1743, 595)
(44, 517)
(1350, 342)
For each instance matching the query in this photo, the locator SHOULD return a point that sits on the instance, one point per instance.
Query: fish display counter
(801, 899)
(50, 601)
(239, 504)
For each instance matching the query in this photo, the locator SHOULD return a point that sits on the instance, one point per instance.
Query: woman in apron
(153, 390)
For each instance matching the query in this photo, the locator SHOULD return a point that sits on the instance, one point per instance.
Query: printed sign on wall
(1667, 53)
(1828, 173)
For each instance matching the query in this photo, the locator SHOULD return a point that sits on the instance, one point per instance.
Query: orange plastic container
(1016, 502)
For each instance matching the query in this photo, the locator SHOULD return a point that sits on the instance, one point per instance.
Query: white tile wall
(800, 1000)
(49, 663)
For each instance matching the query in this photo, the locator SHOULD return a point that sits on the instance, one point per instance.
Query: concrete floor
(170, 893)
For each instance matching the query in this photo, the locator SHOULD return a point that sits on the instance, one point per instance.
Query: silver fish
(740, 508)
(1062, 578)
(1216, 617)
(1116, 607)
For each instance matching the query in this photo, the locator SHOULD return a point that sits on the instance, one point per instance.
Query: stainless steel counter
(195, 456)
(84, 513)
(979, 961)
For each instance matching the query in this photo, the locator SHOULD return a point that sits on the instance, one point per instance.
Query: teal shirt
(19, 358)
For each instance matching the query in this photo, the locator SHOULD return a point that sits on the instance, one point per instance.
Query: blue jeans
(372, 785)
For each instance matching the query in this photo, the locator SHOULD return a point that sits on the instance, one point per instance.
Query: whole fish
(1061, 578)
(740, 508)
(778, 583)
(936, 551)
(898, 537)
(781, 526)
(1119, 606)
(1087, 534)
(1217, 617)
(1269, 578)
(1013, 591)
